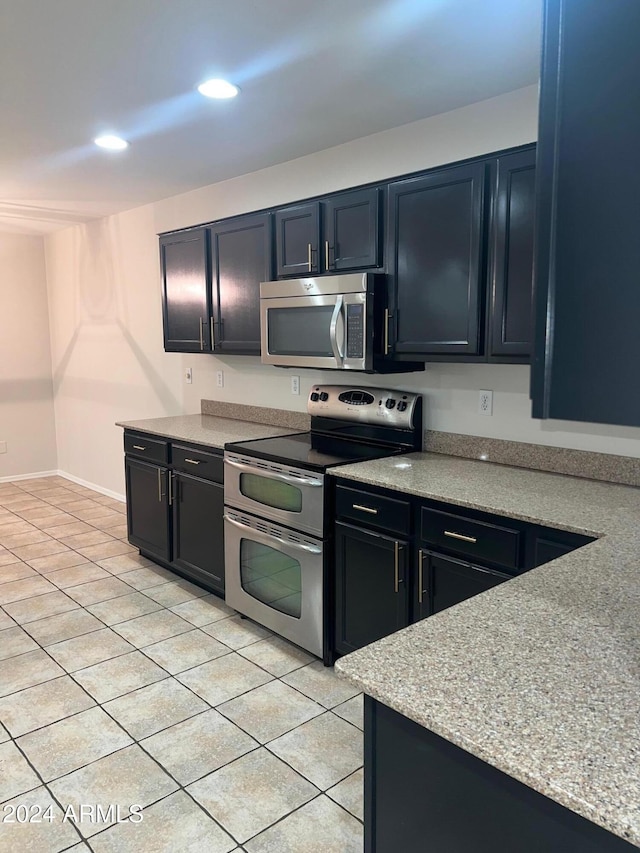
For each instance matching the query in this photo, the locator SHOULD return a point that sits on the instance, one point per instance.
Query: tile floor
(122, 684)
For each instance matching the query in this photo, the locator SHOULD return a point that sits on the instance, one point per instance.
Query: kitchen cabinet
(587, 302)
(147, 486)
(241, 257)
(336, 234)
(185, 290)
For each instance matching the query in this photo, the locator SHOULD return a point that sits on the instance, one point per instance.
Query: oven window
(300, 331)
(270, 492)
(271, 577)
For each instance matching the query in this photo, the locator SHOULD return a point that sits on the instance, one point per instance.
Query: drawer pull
(366, 509)
(159, 486)
(138, 447)
(396, 565)
(460, 536)
(420, 573)
(192, 461)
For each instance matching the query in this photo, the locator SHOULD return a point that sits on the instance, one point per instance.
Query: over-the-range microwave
(337, 322)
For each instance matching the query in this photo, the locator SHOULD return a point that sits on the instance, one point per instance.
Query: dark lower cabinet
(198, 547)
(426, 795)
(371, 577)
(148, 507)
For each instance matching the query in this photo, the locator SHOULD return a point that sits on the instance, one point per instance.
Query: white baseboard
(34, 476)
(14, 479)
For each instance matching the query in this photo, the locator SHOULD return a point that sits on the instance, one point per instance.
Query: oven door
(321, 331)
(277, 492)
(275, 577)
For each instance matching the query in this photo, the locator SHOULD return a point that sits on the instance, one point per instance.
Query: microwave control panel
(355, 331)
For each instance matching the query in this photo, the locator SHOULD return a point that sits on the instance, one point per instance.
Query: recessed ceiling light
(218, 89)
(111, 143)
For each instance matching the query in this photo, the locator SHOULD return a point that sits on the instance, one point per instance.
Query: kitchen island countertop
(540, 676)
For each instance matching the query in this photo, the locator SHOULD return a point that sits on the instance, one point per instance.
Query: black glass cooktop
(311, 450)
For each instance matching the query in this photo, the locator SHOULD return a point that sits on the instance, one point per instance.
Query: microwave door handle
(266, 537)
(333, 327)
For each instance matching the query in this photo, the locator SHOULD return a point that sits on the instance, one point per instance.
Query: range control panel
(365, 405)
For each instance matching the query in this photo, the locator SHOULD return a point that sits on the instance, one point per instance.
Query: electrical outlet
(188, 375)
(220, 378)
(3, 446)
(485, 403)
(295, 384)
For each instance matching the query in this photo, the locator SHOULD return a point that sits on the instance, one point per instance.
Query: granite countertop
(539, 677)
(204, 429)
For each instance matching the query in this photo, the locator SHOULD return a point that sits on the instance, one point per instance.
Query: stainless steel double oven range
(277, 522)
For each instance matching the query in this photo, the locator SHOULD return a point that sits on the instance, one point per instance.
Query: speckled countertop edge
(539, 677)
(207, 430)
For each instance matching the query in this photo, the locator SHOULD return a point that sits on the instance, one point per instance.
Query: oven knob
(324, 396)
(402, 406)
(390, 404)
(314, 397)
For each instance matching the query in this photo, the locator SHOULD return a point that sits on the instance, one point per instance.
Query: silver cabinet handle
(201, 334)
(213, 337)
(309, 253)
(365, 509)
(420, 572)
(266, 537)
(461, 536)
(159, 486)
(192, 461)
(387, 318)
(170, 489)
(273, 475)
(138, 447)
(333, 331)
(396, 566)
(326, 255)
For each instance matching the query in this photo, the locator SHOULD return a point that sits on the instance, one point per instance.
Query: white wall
(106, 322)
(26, 396)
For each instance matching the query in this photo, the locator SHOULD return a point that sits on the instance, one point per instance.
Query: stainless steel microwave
(338, 322)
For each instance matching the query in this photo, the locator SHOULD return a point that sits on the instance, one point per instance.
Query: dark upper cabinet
(351, 230)
(511, 269)
(185, 291)
(298, 240)
(587, 347)
(435, 259)
(241, 257)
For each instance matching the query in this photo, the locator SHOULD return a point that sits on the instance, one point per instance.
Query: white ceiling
(313, 73)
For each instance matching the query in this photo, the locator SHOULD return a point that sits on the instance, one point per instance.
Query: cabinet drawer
(145, 447)
(209, 466)
(477, 539)
(373, 510)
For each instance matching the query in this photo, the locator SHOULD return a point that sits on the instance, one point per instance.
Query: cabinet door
(198, 548)
(587, 347)
(511, 273)
(452, 581)
(371, 587)
(241, 254)
(436, 261)
(148, 507)
(298, 240)
(352, 231)
(185, 291)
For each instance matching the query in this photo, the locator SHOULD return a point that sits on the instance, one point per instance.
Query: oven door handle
(266, 537)
(333, 333)
(286, 478)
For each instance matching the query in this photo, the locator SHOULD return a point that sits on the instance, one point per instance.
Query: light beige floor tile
(97, 591)
(352, 710)
(51, 520)
(83, 540)
(321, 825)
(123, 608)
(118, 530)
(74, 502)
(14, 641)
(26, 670)
(185, 651)
(276, 655)
(155, 707)
(112, 503)
(16, 777)
(129, 562)
(75, 575)
(324, 750)
(224, 678)
(25, 537)
(236, 632)
(15, 570)
(25, 588)
(118, 676)
(152, 628)
(59, 531)
(89, 649)
(64, 626)
(44, 837)
(171, 825)
(73, 742)
(4, 734)
(140, 578)
(43, 549)
(122, 778)
(271, 710)
(55, 562)
(30, 609)
(89, 514)
(42, 705)
(19, 503)
(350, 793)
(177, 592)
(321, 684)
(198, 746)
(40, 513)
(107, 549)
(12, 528)
(203, 611)
(107, 519)
(221, 792)
(5, 620)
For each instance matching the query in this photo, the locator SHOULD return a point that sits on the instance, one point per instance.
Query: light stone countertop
(540, 676)
(208, 430)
